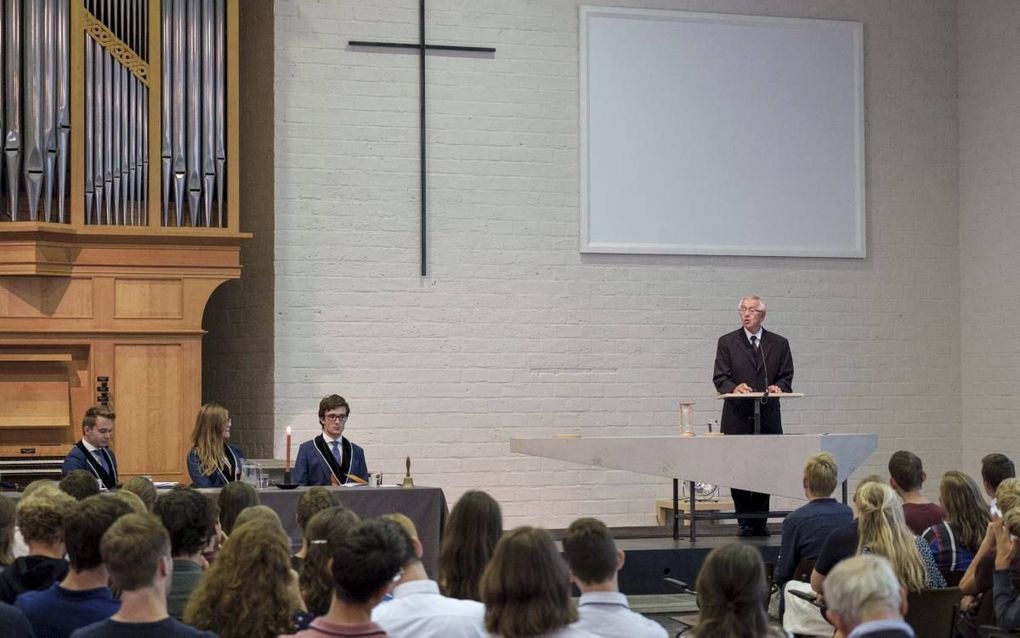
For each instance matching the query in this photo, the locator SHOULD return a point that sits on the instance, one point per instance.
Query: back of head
(311, 503)
(315, 579)
(145, 490)
(862, 587)
(882, 530)
(1011, 520)
(262, 513)
(410, 533)
(233, 499)
(1007, 495)
(368, 559)
(995, 468)
(526, 586)
(905, 468)
(132, 500)
(188, 517)
(472, 531)
(132, 549)
(732, 593)
(80, 484)
(820, 473)
(7, 520)
(41, 515)
(84, 526)
(36, 484)
(590, 551)
(965, 508)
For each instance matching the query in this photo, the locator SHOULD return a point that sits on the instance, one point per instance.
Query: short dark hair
(332, 402)
(995, 468)
(89, 420)
(85, 525)
(187, 515)
(311, 503)
(80, 484)
(367, 559)
(132, 548)
(905, 468)
(590, 551)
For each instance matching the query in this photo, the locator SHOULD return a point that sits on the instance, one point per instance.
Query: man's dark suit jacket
(737, 362)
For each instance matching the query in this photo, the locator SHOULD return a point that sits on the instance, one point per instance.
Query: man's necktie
(336, 450)
(754, 342)
(102, 460)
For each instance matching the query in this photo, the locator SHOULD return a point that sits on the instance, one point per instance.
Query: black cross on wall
(422, 47)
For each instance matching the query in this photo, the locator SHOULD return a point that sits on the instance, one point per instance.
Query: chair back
(932, 612)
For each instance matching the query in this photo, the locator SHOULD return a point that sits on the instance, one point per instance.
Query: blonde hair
(41, 516)
(1011, 520)
(820, 473)
(1007, 495)
(404, 522)
(883, 531)
(207, 437)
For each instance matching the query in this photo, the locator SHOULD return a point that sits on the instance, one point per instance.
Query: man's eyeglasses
(336, 418)
(742, 310)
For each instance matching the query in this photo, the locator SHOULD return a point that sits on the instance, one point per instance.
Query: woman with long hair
(234, 499)
(954, 541)
(526, 588)
(472, 531)
(250, 591)
(315, 579)
(212, 461)
(883, 530)
(732, 594)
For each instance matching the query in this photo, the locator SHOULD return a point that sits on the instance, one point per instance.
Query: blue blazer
(215, 479)
(310, 469)
(75, 460)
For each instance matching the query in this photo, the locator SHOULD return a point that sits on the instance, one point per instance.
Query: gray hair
(862, 585)
(761, 302)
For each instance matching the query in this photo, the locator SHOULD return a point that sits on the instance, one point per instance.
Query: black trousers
(745, 501)
(738, 418)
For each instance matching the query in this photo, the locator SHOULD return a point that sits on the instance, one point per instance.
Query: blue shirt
(166, 628)
(56, 612)
(804, 532)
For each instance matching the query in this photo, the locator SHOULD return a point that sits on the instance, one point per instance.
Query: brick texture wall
(515, 334)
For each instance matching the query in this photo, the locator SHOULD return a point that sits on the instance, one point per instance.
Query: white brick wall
(989, 225)
(516, 334)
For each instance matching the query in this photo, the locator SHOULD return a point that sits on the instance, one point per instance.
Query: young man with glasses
(329, 458)
(752, 359)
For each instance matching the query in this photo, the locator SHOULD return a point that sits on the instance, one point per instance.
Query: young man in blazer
(329, 458)
(92, 453)
(752, 359)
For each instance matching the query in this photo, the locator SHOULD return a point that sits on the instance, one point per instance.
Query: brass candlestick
(408, 481)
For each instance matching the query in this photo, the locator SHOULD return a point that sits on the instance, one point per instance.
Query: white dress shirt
(607, 614)
(419, 610)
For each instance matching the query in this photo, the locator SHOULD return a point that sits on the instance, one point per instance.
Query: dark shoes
(751, 531)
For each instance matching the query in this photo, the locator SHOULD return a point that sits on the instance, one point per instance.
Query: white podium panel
(773, 464)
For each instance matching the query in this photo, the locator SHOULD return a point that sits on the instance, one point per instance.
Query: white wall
(989, 225)
(516, 334)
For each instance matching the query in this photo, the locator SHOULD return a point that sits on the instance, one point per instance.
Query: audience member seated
(594, 561)
(417, 609)
(865, 599)
(80, 484)
(7, 524)
(995, 468)
(732, 594)
(83, 597)
(1006, 602)
(954, 541)
(132, 500)
(14, 623)
(906, 475)
(136, 552)
(250, 591)
(474, 527)
(805, 529)
(265, 515)
(188, 517)
(234, 499)
(40, 518)
(212, 460)
(144, 489)
(526, 588)
(315, 578)
(366, 561)
(311, 503)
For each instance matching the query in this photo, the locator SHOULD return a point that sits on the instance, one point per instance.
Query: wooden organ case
(119, 217)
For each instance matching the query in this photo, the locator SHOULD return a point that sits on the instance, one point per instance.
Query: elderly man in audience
(594, 562)
(865, 599)
(995, 468)
(136, 551)
(83, 597)
(906, 476)
(190, 521)
(806, 528)
(417, 608)
(41, 522)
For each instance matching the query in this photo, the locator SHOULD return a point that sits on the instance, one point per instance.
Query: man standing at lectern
(92, 452)
(752, 359)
